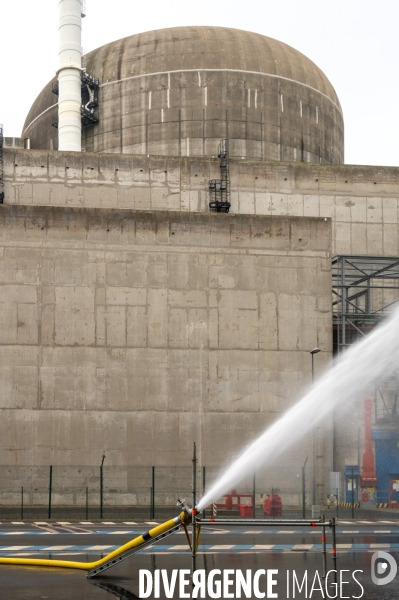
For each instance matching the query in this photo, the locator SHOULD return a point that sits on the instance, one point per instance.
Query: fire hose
(142, 540)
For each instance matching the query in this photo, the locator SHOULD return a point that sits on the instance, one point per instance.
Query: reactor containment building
(166, 280)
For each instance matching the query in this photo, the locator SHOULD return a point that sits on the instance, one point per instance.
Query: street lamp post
(304, 489)
(312, 353)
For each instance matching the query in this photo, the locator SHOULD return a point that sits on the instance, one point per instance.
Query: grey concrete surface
(362, 201)
(119, 288)
(13, 142)
(178, 91)
(136, 332)
(122, 580)
(83, 534)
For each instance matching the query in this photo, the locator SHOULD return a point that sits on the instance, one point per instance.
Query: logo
(383, 568)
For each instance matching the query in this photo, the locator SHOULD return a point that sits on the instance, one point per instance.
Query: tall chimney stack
(69, 76)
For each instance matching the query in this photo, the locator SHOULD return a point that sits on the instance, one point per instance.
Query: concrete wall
(361, 201)
(13, 142)
(71, 345)
(177, 92)
(135, 332)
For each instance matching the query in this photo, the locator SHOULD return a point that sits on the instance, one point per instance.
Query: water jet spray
(349, 380)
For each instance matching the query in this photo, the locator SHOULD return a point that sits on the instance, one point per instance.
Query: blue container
(386, 460)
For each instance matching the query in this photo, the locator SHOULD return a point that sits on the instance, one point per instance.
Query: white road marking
(51, 548)
(365, 522)
(389, 522)
(351, 531)
(382, 531)
(286, 532)
(69, 553)
(246, 532)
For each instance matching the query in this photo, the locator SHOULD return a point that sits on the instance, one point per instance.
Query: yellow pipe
(138, 541)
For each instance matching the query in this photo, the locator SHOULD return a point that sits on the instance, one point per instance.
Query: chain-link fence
(124, 492)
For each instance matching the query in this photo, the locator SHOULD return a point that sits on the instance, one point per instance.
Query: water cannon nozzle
(186, 509)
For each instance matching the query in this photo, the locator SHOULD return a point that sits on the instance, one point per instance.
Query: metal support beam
(194, 514)
(263, 522)
(366, 291)
(365, 288)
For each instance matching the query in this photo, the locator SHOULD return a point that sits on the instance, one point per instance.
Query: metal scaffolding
(366, 291)
(89, 90)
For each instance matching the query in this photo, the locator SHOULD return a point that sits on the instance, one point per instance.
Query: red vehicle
(242, 502)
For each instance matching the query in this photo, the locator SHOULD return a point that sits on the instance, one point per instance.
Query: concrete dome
(179, 91)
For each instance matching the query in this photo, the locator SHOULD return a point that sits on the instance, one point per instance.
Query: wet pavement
(123, 580)
(145, 513)
(234, 549)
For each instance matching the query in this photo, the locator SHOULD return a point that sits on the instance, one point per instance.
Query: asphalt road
(285, 549)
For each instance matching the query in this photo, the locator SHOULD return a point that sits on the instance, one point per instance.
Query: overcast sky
(355, 43)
